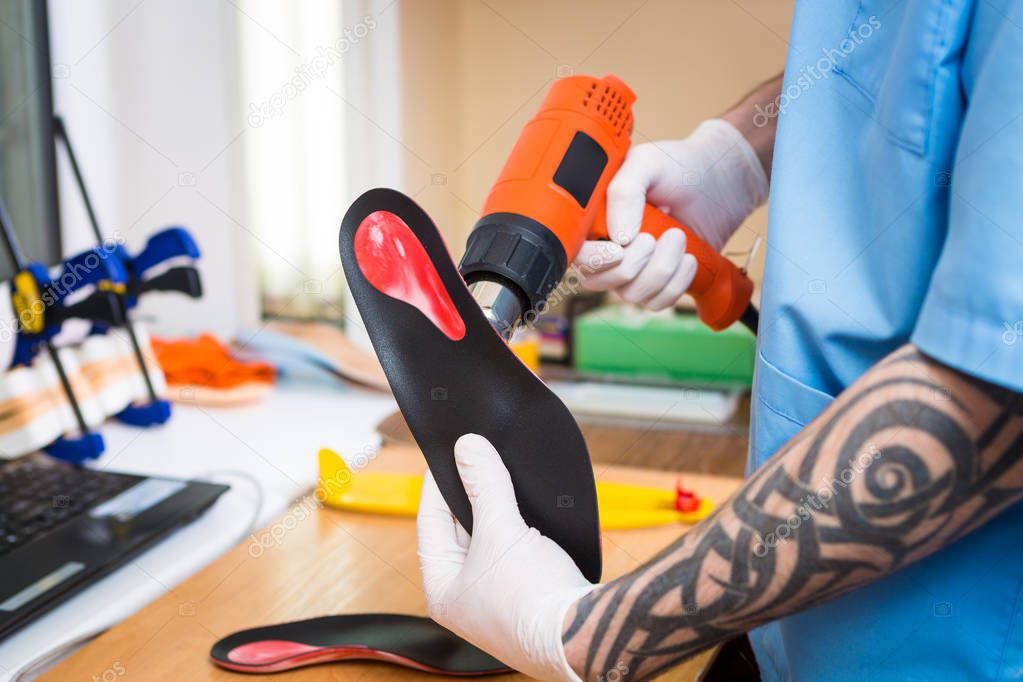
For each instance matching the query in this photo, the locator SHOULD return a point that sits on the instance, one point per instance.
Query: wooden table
(311, 562)
(715, 450)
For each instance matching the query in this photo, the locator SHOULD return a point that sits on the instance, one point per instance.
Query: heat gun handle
(720, 288)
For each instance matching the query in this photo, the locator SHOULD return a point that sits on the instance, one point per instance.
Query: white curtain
(314, 75)
(253, 123)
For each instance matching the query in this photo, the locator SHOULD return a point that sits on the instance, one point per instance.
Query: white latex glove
(710, 181)
(507, 588)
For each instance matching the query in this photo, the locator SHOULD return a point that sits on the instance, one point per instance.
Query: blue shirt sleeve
(972, 317)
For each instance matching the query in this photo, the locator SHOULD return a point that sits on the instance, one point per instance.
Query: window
(27, 179)
(295, 173)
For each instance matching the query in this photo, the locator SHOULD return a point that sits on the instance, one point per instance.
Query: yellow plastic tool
(622, 506)
(28, 302)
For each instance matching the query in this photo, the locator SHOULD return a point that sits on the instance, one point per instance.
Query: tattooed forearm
(907, 460)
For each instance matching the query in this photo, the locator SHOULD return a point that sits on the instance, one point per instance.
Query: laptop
(63, 527)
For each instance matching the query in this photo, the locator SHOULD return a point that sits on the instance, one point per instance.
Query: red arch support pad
(393, 260)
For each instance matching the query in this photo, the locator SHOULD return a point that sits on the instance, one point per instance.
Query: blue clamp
(78, 450)
(31, 303)
(171, 243)
(168, 244)
(40, 300)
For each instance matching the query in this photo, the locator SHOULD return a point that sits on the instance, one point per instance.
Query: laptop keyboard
(37, 494)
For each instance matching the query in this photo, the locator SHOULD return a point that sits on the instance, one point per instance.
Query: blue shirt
(897, 216)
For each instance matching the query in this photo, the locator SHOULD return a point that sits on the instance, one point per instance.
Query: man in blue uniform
(878, 536)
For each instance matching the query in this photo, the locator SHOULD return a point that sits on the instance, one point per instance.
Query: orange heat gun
(551, 196)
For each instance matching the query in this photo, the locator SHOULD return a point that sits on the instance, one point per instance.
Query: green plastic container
(624, 341)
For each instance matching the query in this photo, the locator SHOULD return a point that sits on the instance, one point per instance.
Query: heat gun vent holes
(611, 106)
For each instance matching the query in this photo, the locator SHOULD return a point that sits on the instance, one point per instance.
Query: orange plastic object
(720, 288)
(205, 361)
(602, 110)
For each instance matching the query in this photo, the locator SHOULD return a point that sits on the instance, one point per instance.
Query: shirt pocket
(892, 54)
(784, 406)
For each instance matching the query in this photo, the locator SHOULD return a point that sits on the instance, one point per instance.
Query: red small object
(394, 261)
(685, 500)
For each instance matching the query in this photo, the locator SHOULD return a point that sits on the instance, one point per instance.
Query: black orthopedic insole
(408, 641)
(452, 374)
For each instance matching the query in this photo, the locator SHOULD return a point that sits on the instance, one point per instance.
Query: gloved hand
(710, 181)
(507, 588)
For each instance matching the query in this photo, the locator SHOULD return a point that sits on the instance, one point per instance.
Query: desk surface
(313, 562)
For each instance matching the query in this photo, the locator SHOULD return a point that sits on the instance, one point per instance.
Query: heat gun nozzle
(501, 305)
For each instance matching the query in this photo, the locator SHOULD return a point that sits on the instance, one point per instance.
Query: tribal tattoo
(910, 458)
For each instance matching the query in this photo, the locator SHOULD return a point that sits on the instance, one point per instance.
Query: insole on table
(452, 374)
(408, 641)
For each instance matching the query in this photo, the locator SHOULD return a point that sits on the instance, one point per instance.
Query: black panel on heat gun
(581, 168)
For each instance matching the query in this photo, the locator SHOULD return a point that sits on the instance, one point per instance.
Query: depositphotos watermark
(814, 502)
(1013, 332)
(807, 76)
(615, 674)
(308, 73)
(569, 285)
(61, 286)
(114, 672)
